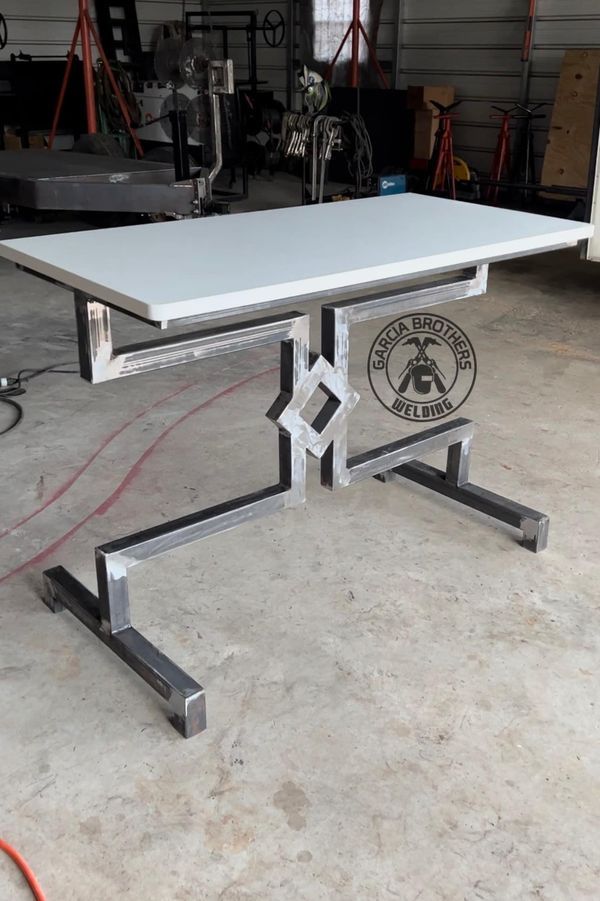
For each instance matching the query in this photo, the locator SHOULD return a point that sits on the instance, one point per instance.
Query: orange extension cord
(25, 869)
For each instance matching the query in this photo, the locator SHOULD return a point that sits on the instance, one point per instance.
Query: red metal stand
(501, 161)
(443, 154)
(354, 30)
(86, 29)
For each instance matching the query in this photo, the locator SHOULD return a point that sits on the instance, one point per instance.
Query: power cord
(13, 386)
(25, 869)
(358, 147)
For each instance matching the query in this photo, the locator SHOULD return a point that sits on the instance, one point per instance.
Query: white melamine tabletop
(222, 264)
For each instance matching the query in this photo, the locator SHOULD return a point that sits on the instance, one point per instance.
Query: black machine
(273, 30)
(389, 123)
(257, 118)
(30, 86)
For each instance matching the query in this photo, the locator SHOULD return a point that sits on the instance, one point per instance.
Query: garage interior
(402, 702)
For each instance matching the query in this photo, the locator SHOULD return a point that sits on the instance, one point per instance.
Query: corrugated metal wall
(46, 27)
(476, 45)
(473, 44)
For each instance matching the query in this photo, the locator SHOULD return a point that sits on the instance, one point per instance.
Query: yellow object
(461, 170)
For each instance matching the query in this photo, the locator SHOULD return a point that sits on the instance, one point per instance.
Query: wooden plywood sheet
(567, 157)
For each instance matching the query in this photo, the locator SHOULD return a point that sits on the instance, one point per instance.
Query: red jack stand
(355, 29)
(501, 161)
(443, 153)
(87, 30)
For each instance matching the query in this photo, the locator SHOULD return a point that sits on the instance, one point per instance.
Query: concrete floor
(403, 703)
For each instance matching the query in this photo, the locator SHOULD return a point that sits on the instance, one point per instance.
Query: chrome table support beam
(302, 373)
(100, 361)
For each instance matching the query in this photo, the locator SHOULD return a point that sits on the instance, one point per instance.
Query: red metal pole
(450, 162)
(528, 36)
(88, 68)
(63, 87)
(354, 60)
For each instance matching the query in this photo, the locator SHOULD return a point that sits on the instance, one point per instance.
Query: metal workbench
(63, 180)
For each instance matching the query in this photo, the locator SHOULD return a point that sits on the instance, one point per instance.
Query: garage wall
(473, 44)
(44, 27)
(476, 45)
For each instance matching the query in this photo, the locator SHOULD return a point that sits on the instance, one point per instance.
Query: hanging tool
(323, 134)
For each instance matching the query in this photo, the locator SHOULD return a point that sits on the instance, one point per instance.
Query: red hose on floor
(25, 869)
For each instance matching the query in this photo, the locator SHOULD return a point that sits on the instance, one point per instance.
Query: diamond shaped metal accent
(330, 423)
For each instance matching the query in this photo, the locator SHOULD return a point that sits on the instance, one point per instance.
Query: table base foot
(185, 698)
(532, 524)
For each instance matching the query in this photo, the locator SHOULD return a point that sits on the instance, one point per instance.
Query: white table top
(223, 264)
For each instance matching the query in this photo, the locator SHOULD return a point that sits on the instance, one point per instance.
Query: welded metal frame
(399, 459)
(337, 470)
(108, 614)
(302, 373)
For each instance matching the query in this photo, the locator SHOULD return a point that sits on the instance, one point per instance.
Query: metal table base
(108, 615)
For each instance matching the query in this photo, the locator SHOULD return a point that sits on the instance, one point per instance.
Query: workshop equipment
(316, 92)
(442, 161)
(85, 182)
(58, 180)
(155, 100)
(326, 137)
(420, 99)
(391, 184)
(314, 137)
(179, 63)
(86, 30)
(501, 161)
(253, 116)
(358, 151)
(210, 24)
(370, 253)
(28, 99)
(523, 169)
(388, 122)
(355, 31)
(295, 134)
(422, 96)
(119, 32)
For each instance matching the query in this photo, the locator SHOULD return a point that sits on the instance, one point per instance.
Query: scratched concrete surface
(402, 702)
